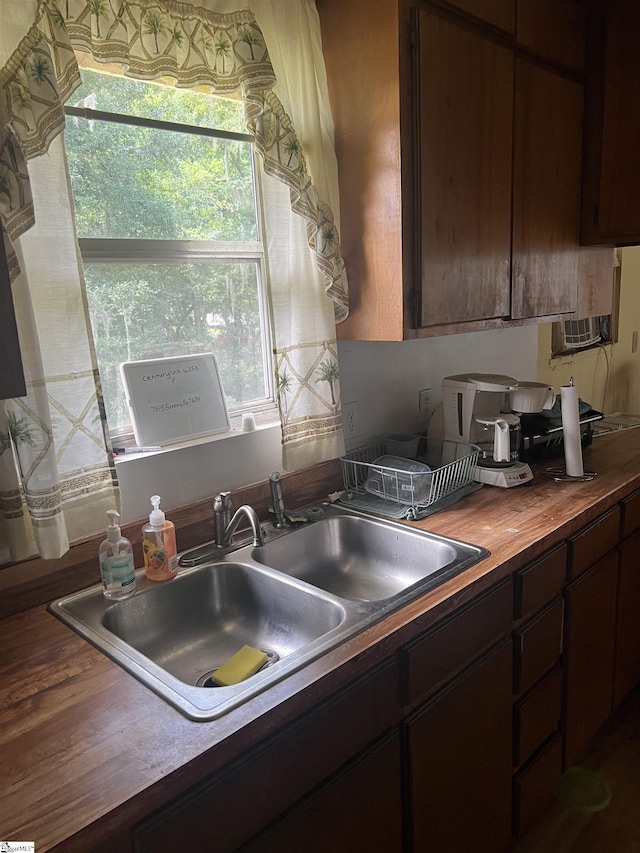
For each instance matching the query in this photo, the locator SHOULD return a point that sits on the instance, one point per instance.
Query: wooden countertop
(86, 750)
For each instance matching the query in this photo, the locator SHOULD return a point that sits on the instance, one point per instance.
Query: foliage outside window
(169, 231)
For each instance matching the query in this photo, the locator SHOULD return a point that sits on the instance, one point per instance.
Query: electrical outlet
(424, 405)
(350, 418)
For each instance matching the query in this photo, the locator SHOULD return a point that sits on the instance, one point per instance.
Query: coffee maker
(476, 411)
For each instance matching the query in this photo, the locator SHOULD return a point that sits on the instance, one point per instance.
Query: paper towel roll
(571, 430)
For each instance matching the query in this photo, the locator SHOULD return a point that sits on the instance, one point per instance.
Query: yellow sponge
(244, 663)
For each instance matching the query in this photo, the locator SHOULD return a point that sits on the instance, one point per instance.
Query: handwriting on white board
(166, 407)
(171, 399)
(168, 374)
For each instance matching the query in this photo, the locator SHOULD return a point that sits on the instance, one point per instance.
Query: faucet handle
(221, 515)
(222, 501)
(277, 499)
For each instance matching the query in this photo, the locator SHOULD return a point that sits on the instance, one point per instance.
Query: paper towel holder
(561, 476)
(571, 423)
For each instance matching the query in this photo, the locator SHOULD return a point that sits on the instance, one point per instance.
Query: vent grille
(577, 334)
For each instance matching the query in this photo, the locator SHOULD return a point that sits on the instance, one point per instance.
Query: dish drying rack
(429, 492)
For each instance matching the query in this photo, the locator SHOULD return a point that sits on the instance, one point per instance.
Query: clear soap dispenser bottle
(117, 568)
(159, 545)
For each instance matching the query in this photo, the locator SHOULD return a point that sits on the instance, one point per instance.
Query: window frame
(105, 250)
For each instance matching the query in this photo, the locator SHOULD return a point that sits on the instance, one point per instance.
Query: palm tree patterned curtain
(194, 46)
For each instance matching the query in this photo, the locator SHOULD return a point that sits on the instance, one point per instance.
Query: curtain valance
(152, 40)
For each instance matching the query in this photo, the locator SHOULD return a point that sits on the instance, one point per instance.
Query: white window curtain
(269, 50)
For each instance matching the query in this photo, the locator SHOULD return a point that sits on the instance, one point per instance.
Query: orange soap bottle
(159, 545)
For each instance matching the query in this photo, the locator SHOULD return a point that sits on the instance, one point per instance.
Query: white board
(171, 399)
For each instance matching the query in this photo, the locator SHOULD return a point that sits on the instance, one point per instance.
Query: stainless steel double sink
(296, 597)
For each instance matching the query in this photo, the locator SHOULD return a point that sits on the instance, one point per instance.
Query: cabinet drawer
(630, 514)
(533, 788)
(448, 647)
(537, 584)
(538, 646)
(537, 716)
(275, 774)
(592, 543)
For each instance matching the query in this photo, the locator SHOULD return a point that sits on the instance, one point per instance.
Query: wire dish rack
(406, 493)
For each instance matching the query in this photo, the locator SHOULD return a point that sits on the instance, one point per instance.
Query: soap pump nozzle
(113, 530)
(156, 516)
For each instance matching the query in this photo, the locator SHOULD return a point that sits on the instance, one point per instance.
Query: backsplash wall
(385, 378)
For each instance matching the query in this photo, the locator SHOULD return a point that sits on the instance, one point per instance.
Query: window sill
(235, 432)
(581, 355)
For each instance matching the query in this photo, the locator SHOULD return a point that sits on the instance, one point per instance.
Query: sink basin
(364, 559)
(192, 627)
(173, 635)
(301, 594)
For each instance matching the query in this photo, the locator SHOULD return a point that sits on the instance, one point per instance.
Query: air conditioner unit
(581, 333)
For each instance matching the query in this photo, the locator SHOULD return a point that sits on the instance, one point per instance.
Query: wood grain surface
(87, 750)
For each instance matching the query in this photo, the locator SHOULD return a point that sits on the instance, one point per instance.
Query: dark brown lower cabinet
(360, 809)
(234, 805)
(589, 650)
(453, 744)
(459, 748)
(627, 673)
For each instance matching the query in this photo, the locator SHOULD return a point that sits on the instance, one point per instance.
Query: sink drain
(205, 679)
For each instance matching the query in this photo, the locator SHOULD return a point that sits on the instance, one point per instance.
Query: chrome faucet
(277, 501)
(226, 524)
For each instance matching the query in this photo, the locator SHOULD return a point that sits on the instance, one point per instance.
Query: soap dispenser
(159, 545)
(117, 568)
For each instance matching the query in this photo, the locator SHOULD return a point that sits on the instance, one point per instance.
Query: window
(169, 229)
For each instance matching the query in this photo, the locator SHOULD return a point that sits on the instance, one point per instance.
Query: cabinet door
(546, 192)
(237, 802)
(630, 514)
(610, 201)
(589, 649)
(465, 90)
(359, 809)
(438, 655)
(628, 634)
(595, 285)
(460, 761)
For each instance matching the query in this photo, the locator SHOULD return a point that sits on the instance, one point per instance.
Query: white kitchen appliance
(476, 411)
